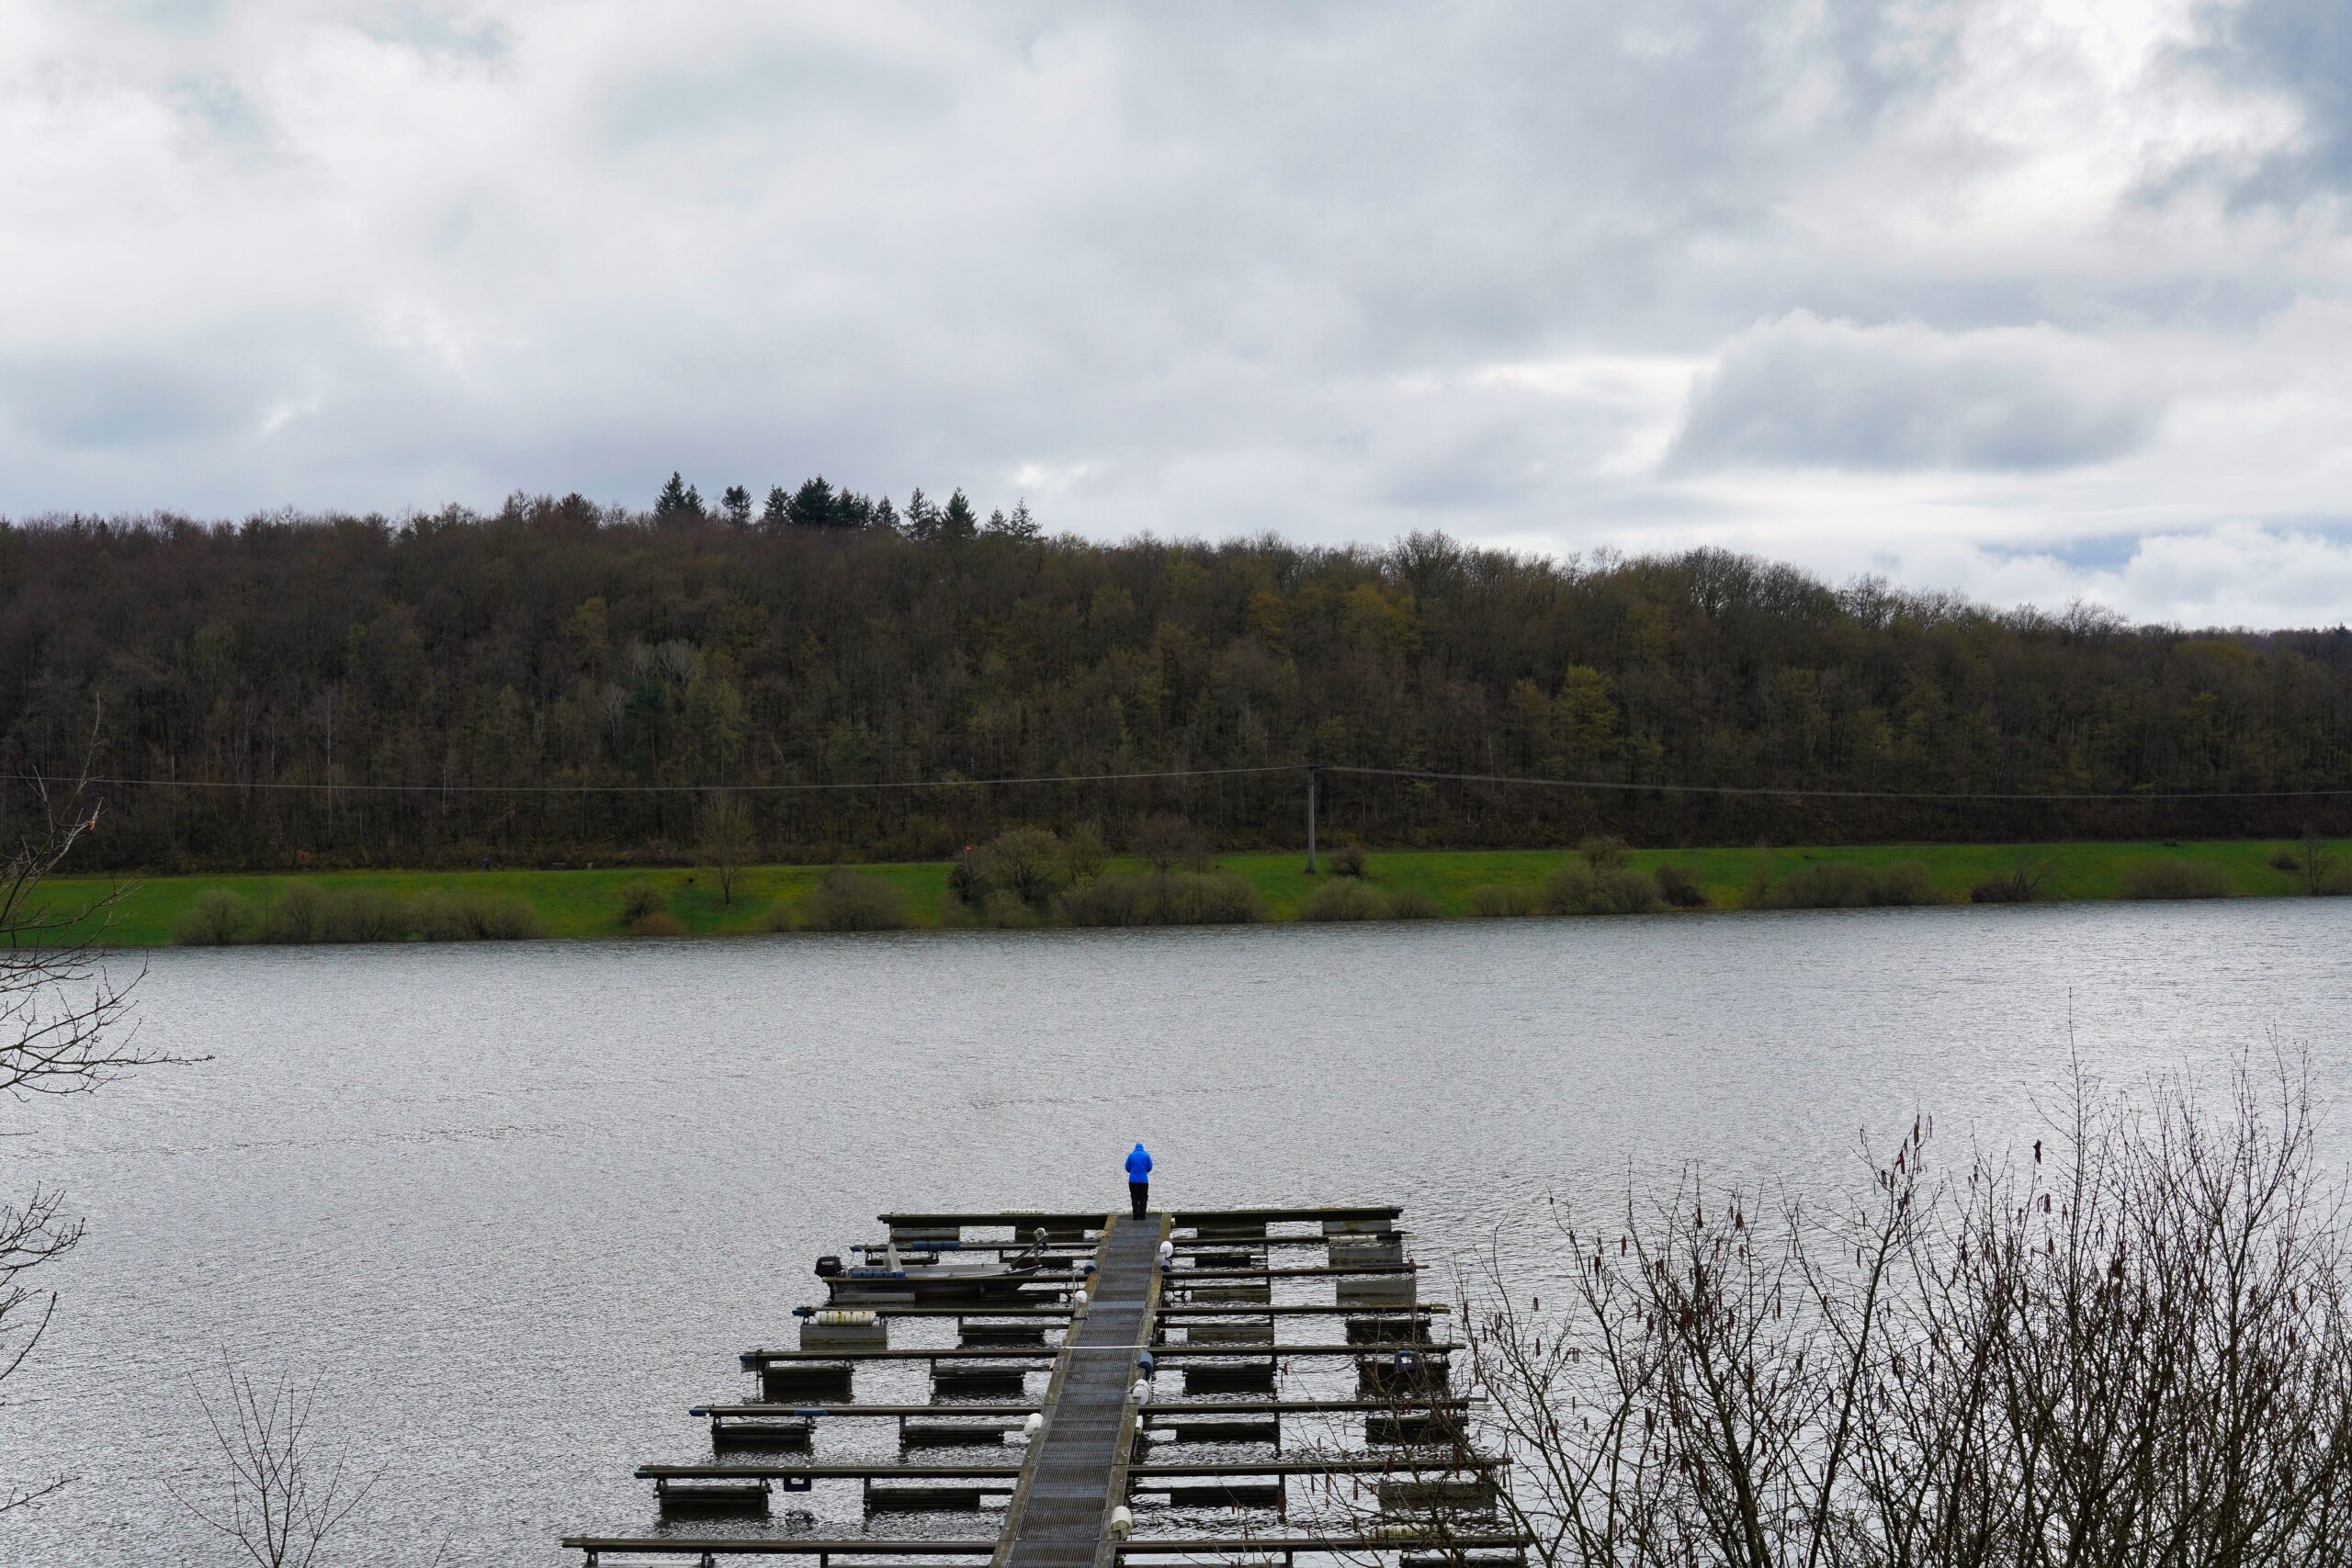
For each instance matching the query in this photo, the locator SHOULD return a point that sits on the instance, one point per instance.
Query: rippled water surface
(517, 1207)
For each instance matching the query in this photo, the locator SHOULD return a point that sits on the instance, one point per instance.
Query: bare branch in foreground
(281, 1494)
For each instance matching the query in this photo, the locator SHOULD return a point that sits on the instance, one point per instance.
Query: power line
(1797, 791)
(647, 789)
(1786, 792)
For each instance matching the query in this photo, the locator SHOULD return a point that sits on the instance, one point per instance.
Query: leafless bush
(1595, 887)
(2172, 877)
(1169, 843)
(219, 917)
(845, 901)
(1160, 898)
(1490, 901)
(1345, 899)
(2130, 1347)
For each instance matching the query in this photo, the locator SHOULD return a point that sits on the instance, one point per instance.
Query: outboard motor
(829, 1267)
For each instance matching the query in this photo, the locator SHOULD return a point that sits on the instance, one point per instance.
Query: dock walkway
(1059, 1517)
(1068, 1460)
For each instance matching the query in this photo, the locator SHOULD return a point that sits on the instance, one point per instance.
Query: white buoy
(1166, 1253)
(1035, 1425)
(1141, 1393)
(1123, 1522)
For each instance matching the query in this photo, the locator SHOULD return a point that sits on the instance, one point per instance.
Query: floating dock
(1130, 1342)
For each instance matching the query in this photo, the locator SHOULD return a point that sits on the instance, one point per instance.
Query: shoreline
(587, 903)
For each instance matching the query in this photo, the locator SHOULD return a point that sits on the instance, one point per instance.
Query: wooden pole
(1314, 776)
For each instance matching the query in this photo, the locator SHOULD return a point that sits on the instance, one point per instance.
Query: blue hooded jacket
(1138, 1163)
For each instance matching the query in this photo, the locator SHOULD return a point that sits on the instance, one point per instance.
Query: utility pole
(1313, 778)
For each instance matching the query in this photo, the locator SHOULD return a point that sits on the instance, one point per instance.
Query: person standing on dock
(1139, 1178)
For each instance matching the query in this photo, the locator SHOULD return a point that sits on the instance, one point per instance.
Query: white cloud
(1337, 270)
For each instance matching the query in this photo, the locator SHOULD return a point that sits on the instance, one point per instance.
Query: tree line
(557, 683)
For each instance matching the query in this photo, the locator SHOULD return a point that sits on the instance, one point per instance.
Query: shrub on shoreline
(1598, 886)
(476, 917)
(1345, 899)
(1412, 904)
(295, 915)
(306, 913)
(639, 898)
(2175, 878)
(845, 901)
(1680, 888)
(1162, 898)
(217, 917)
(1488, 901)
(1843, 885)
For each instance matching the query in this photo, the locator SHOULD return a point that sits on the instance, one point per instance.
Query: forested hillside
(491, 664)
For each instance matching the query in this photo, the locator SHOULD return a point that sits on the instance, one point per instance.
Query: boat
(887, 1275)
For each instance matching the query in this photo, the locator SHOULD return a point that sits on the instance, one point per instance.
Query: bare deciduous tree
(63, 1030)
(725, 833)
(280, 1495)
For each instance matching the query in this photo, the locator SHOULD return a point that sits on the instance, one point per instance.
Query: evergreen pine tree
(672, 502)
(694, 502)
(812, 503)
(1021, 525)
(886, 515)
(778, 511)
(735, 502)
(958, 521)
(922, 517)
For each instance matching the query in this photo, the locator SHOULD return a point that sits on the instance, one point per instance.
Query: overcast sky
(2031, 301)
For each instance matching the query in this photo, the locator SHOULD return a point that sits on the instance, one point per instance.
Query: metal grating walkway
(1062, 1518)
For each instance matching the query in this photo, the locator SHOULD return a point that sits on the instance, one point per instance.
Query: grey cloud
(117, 401)
(2301, 48)
(1802, 392)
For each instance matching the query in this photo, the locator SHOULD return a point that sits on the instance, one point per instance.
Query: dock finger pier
(1061, 1390)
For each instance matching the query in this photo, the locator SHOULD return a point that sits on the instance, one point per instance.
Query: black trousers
(1140, 1192)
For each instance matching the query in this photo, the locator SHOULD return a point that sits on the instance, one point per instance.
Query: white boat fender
(1036, 1424)
(1166, 1253)
(1141, 1393)
(1123, 1522)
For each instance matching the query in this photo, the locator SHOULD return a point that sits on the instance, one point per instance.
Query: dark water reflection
(520, 1206)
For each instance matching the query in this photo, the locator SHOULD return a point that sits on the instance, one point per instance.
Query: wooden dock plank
(1062, 1511)
(1157, 1407)
(1032, 1353)
(1223, 1547)
(883, 1470)
(1181, 1219)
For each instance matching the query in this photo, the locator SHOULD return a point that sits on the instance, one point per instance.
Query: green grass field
(587, 903)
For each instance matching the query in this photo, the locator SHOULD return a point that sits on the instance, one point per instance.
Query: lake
(515, 1207)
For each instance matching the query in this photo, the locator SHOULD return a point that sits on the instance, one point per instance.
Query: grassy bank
(589, 903)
